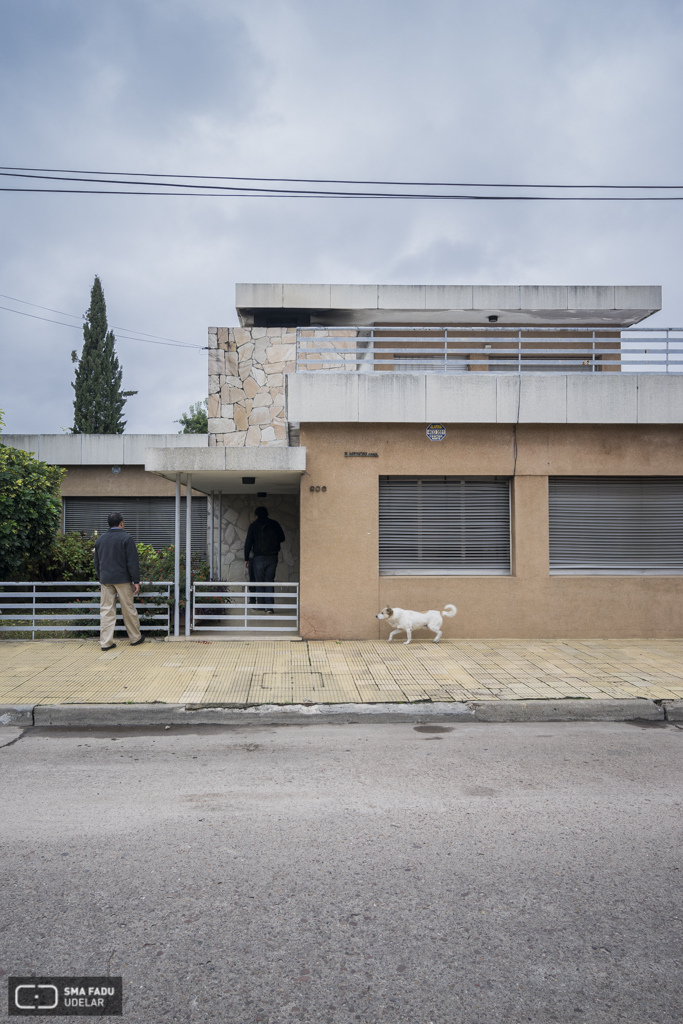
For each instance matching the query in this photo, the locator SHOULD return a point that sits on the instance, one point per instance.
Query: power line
(149, 340)
(128, 330)
(61, 312)
(282, 193)
(331, 181)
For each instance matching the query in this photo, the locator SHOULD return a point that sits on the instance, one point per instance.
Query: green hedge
(71, 559)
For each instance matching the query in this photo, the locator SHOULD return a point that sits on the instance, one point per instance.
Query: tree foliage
(71, 558)
(197, 420)
(30, 510)
(99, 400)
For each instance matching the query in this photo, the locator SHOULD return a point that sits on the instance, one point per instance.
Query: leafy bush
(71, 558)
(30, 510)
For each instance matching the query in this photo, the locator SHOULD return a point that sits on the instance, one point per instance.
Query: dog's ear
(388, 612)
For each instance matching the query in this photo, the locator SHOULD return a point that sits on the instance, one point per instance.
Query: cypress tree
(99, 400)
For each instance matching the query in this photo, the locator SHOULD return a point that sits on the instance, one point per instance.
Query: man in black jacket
(263, 536)
(118, 569)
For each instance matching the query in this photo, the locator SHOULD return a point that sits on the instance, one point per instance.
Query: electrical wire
(151, 340)
(330, 181)
(279, 194)
(253, 191)
(128, 330)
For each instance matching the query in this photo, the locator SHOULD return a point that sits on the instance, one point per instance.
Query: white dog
(407, 621)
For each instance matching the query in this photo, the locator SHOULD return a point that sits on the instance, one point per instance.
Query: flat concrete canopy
(99, 449)
(287, 305)
(273, 470)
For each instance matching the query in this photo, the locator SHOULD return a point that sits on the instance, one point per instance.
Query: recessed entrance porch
(236, 481)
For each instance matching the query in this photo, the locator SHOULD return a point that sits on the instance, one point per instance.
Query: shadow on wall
(237, 513)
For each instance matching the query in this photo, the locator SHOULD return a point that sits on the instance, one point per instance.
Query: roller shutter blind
(444, 526)
(616, 525)
(148, 520)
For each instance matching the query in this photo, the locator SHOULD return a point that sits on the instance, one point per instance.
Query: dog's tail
(449, 611)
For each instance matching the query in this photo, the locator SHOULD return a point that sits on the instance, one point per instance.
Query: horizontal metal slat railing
(41, 607)
(232, 607)
(452, 350)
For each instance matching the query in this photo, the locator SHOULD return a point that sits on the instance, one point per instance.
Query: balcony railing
(493, 349)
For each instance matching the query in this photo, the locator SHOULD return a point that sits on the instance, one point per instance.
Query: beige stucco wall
(342, 591)
(131, 482)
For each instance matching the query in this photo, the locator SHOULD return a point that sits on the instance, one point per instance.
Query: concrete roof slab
(401, 296)
(306, 296)
(448, 296)
(590, 297)
(543, 296)
(354, 296)
(496, 296)
(517, 305)
(274, 470)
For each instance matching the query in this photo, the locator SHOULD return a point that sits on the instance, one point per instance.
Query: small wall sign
(436, 431)
(361, 455)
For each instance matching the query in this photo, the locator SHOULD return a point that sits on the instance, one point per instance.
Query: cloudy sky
(431, 90)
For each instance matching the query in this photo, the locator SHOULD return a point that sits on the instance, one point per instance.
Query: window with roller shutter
(444, 526)
(625, 526)
(148, 520)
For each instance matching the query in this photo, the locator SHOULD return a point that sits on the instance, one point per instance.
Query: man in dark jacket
(263, 537)
(118, 569)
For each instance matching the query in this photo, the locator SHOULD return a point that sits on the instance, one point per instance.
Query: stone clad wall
(247, 385)
(237, 513)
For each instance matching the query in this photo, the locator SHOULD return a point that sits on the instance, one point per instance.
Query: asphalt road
(372, 873)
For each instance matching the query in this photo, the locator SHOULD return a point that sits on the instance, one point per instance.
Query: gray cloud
(523, 91)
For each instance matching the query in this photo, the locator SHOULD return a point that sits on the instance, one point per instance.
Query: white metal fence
(500, 350)
(63, 607)
(273, 607)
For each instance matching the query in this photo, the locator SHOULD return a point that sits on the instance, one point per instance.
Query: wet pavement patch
(433, 728)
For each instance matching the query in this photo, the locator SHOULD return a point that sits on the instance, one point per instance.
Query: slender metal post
(176, 560)
(188, 552)
(667, 351)
(220, 536)
(213, 515)
(33, 615)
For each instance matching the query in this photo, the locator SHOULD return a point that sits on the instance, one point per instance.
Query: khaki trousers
(108, 594)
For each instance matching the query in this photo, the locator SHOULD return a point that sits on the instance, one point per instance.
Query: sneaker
(110, 648)
(138, 642)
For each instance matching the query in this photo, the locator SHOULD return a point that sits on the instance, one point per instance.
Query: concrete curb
(16, 714)
(264, 714)
(673, 709)
(621, 710)
(108, 715)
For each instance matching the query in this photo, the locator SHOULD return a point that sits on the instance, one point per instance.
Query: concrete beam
(322, 397)
(210, 460)
(366, 304)
(99, 449)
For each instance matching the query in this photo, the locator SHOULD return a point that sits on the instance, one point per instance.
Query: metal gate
(231, 607)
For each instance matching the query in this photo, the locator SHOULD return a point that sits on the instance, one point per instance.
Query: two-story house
(514, 450)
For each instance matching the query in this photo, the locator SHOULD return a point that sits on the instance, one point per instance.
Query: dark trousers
(252, 579)
(264, 572)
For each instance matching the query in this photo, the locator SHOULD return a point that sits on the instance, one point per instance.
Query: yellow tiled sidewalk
(333, 671)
